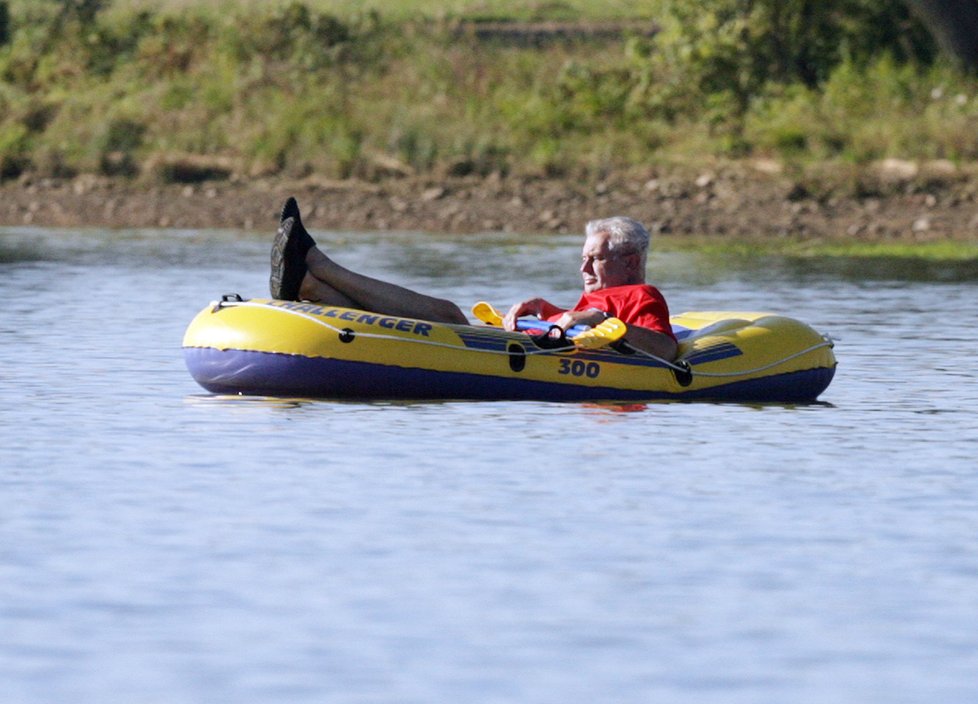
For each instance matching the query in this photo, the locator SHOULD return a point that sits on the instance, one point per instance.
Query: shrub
(737, 49)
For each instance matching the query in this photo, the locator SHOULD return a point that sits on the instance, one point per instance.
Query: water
(158, 544)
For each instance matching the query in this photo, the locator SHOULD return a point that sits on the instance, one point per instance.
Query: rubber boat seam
(671, 365)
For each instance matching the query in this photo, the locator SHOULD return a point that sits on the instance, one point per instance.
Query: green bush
(13, 150)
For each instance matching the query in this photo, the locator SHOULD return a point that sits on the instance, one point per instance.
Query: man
(612, 265)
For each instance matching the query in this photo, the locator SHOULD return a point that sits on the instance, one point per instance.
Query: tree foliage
(735, 48)
(4, 23)
(714, 59)
(955, 25)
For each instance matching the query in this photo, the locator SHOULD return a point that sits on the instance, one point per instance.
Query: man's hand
(534, 306)
(590, 318)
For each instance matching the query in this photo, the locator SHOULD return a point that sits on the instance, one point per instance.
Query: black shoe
(288, 263)
(291, 210)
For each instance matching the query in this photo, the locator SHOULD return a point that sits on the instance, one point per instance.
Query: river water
(161, 545)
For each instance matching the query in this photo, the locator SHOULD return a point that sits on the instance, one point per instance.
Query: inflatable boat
(270, 347)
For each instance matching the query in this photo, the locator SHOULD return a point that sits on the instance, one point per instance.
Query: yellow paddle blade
(487, 314)
(601, 335)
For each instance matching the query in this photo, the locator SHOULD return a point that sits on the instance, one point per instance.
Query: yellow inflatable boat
(284, 348)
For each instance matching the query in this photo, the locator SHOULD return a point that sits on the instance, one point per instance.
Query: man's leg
(312, 289)
(375, 295)
(301, 270)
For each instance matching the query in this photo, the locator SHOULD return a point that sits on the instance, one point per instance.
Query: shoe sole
(287, 270)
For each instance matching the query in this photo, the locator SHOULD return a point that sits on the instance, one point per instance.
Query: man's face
(603, 269)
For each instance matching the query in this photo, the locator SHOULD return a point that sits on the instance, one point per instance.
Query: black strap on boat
(683, 373)
(553, 339)
(517, 356)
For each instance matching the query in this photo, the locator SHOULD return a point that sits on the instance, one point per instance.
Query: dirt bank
(902, 203)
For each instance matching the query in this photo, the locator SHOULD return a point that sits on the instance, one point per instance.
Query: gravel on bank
(725, 204)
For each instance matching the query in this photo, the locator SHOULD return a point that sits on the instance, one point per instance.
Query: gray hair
(624, 235)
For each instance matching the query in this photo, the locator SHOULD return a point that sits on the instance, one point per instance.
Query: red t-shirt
(634, 304)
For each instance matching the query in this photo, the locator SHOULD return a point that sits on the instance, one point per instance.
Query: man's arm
(651, 341)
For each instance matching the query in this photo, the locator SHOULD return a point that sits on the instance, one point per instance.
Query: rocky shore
(899, 201)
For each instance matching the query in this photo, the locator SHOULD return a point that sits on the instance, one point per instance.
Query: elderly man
(612, 265)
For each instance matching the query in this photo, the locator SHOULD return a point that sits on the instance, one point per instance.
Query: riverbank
(180, 117)
(906, 203)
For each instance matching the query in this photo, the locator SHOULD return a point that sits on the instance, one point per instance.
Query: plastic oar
(487, 314)
(601, 335)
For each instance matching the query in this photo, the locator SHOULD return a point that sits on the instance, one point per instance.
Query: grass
(369, 89)
(747, 249)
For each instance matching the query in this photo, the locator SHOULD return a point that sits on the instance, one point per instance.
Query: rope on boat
(720, 375)
(680, 368)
